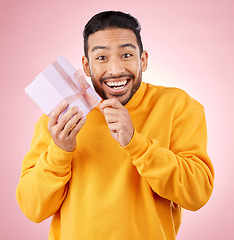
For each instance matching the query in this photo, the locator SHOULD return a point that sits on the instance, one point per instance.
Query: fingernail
(65, 103)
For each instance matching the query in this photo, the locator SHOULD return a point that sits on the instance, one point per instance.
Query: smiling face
(114, 63)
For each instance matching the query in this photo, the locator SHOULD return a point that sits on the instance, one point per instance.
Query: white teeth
(116, 84)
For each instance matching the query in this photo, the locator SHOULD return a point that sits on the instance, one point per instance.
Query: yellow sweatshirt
(102, 191)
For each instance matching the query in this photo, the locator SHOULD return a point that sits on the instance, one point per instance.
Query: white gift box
(58, 82)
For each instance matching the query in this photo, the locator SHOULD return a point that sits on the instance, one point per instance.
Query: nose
(115, 67)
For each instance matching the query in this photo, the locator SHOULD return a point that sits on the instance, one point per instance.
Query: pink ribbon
(78, 93)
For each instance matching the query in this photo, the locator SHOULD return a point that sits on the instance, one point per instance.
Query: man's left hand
(118, 121)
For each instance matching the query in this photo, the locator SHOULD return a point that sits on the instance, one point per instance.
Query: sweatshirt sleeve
(182, 173)
(46, 170)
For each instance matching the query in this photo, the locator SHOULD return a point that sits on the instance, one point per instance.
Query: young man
(126, 171)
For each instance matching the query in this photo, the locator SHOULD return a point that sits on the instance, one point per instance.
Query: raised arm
(46, 168)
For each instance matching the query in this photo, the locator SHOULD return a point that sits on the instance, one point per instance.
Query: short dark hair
(111, 19)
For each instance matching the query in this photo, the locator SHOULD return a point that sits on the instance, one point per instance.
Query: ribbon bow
(90, 100)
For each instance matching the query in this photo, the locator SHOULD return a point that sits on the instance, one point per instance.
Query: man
(126, 171)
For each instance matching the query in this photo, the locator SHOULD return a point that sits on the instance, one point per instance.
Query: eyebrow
(121, 46)
(99, 47)
(127, 45)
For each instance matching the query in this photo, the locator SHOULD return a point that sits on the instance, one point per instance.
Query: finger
(112, 102)
(66, 117)
(114, 127)
(112, 112)
(72, 123)
(113, 115)
(78, 127)
(56, 112)
(111, 119)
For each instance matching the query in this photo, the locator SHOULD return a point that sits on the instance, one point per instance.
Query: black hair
(111, 19)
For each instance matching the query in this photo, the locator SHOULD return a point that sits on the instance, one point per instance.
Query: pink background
(190, 45)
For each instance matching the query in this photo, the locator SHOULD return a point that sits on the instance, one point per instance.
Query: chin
(124, 100)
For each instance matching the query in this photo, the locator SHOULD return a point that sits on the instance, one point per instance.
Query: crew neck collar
(137, 97)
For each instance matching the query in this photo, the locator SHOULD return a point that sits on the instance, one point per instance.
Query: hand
(65, 130)
(118, 120)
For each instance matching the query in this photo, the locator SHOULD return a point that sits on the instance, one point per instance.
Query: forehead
(112, 38)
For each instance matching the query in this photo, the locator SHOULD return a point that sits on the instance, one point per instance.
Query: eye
(101, 58)
(127, 55)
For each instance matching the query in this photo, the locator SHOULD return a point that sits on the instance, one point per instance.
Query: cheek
(135, 69)
(94, 72)
(139, 69)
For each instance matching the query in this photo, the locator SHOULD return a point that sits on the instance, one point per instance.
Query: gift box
(60, 81)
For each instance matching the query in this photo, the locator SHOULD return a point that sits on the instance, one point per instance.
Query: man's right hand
(65, 130)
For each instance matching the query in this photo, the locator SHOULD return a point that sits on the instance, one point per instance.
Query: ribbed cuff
(137, 146)
(58, 157)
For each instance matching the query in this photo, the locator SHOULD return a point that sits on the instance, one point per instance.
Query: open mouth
(116, 84)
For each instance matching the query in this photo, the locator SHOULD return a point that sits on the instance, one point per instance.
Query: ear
(144, 61)
(85, 63)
